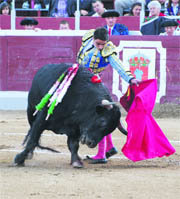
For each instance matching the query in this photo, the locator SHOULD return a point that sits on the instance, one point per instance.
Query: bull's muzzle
(89, 142)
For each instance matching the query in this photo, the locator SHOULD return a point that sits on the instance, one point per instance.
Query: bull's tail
(48, 148)
(38, 145)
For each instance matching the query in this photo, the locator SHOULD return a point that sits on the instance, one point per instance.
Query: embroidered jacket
(89, 56)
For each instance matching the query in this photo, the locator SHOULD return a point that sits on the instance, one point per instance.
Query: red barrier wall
(5, 22)
(85, 22)
(22, 56)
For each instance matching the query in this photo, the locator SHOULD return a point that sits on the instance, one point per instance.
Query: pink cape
(145, 139)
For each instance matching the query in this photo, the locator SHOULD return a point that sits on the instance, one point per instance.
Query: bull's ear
(100, 109)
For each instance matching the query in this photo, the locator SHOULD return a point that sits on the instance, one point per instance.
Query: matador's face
(99, 44)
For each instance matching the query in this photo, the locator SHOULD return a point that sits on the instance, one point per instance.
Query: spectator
(34, 4)
(64, 25)
(38, 4)
(98, 8)
(135, 10)
(5, 8)
(170, 27)
(46, 2)
(29, 23)
(153, 27)
(113, 27)
(172, 8)
(8, 1)
(60, 8)
(86, 8)
(162, 2)
(26, 5)
(121, 5)
(154, 10)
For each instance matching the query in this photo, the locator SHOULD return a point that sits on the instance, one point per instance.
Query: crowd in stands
(152, 9)
(34, 4)
(67, 8)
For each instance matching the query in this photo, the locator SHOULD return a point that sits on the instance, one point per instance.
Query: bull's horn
(107, 104)
(122, 128)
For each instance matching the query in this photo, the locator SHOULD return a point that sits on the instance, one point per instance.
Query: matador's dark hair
(101, 33)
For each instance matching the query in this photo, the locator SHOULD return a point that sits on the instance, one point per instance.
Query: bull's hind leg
(73, 145)
(34, 135)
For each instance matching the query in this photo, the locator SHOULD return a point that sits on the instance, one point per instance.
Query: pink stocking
(109, 142)
(101, 149)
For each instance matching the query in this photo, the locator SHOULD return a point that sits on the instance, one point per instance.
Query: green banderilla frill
(51, 109)
(45, 99)
(43, 102)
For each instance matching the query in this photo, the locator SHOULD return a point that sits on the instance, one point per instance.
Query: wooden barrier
(22, 56)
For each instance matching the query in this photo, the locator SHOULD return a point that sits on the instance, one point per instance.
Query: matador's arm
(109, 53)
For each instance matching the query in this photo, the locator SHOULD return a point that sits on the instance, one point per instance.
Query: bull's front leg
(73, 145)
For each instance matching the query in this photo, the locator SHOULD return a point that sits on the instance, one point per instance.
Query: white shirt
(97, 15)
(109, 28)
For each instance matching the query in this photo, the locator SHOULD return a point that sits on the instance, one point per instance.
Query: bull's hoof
(77, 164)
(19, 165)
(30, 155)
(19, 160)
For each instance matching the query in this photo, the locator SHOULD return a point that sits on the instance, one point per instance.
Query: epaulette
(88, 35)
(108, 49)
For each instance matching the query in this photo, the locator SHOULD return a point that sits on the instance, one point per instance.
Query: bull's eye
(102, 123)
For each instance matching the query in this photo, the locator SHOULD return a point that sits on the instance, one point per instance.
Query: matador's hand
(135, 81)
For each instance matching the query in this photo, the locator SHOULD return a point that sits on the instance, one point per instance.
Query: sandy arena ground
(50, 176)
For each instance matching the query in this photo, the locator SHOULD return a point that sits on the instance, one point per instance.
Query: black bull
(81, 115)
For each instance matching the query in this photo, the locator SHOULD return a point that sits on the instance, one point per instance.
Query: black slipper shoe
(111, 152)
(96, 161)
